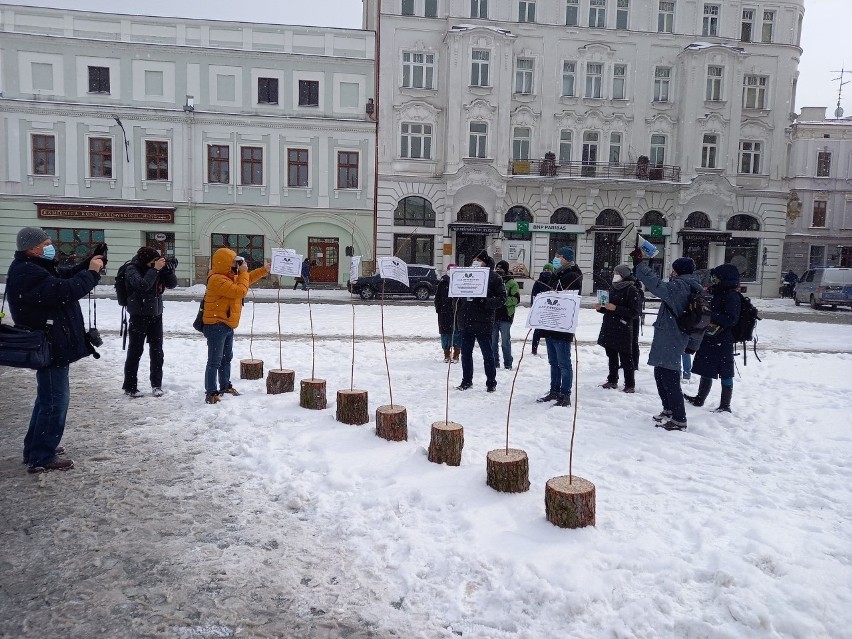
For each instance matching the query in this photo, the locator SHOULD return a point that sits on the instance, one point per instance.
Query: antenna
(838, 112)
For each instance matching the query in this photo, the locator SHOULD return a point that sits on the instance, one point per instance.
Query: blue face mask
(49, 252)
(557, 263)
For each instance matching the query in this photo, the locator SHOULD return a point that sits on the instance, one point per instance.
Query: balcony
(599, 170)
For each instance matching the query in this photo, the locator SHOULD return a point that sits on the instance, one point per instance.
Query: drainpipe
(375, 119)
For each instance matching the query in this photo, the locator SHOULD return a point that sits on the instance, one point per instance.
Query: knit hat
(146, 255)
(482, 256)
(548, 267)
(624, 271)
(567, 253)
(683, 266)
(30, 237)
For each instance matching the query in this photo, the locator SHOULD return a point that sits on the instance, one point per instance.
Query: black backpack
(121, 284)
(743, 330)
(696, 318)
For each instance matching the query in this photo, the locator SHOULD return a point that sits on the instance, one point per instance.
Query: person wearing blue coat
(669, 341)
(715, 357)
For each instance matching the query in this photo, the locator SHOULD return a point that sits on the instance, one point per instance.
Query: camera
(171, 262)
(94, 337)
(239, 259)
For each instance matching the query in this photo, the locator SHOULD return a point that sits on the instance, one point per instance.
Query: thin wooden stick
(576, 401)
(352, 372)
(512, 391)
(384, 342)
(280, 352)
(251, 328)
(313, 340)
(450, 363)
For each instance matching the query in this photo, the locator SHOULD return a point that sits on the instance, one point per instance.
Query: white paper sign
(393, 268)
(354, 268)
(286, 262)
(555, 312)
(469, 282)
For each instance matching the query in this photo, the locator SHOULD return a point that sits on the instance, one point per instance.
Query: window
(524, 75)
(743, 222)
(750, 153)
(768, 26)
(249, 247)
(714, 84)
(156, 160)
(742, 252)
(819, 215)
(747, 25)
(823, 164)
(418, 70)
(416, 141)
(697, 220)
(662, 78)
(251, 165)
(518, 214)
(430, 8)
(478, 8)
(816, 259)
(590, 152)
(479, 68)
(619, 74)
(477, 145)
(414, 249)
(408, 7)
(308, 93)
(297, 168)
(164, 246)
(218, 164)
(100, 157)
(710, 24)
(572, 13)
(347, 169)
(594, 79)
(526, 11)
(74, 244)
(267, 90)
(568, 73)
(414, 211)
(597, 13)
(622, 14)
(615, 148)
(521, 143)
(44, 154)
(566, 142)
(665, 17)
(754, 91)
(709, 148)
(658, 150)
(98, 79)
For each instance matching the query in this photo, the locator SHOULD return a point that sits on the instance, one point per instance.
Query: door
(467, 246)
(607, 256)
(698, 250)
(324, 254)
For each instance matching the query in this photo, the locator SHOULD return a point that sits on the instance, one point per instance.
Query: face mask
(478, 263)
(557, 263)
(616, 278)
(49, 252)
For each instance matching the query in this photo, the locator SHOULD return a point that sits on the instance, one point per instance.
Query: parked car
(422, 282)
(825, 287)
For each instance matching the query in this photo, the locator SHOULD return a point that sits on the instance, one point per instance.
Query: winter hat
(482, 256)
(548, 267)
(683, 266)
(30, 237)
(146, 254)
(624, 271)
(567, 253)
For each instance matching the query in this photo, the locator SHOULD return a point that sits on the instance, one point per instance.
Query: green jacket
(513, 298)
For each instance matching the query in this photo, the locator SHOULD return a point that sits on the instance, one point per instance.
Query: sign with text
(106, 213)
(354, 268)
(393, 268)
(469, 282)
(286, 262)
(556, 311)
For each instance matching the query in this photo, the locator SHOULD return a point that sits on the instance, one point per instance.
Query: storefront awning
(709, 235)
(468, 228)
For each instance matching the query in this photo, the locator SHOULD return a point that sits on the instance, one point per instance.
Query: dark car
(422, 282)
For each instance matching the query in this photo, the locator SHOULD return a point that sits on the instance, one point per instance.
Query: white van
(825, 287)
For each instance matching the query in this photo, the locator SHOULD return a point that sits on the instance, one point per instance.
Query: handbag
(198, 324)
(23, 348)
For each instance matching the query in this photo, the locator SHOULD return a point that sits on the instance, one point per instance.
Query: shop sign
(104, 213)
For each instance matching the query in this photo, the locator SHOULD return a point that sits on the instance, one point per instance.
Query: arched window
(414, 211)
(697, 220)
(653, 218)
(563, 216)
(518, 214)
(472, 213)
(743, 223)
(609, 217)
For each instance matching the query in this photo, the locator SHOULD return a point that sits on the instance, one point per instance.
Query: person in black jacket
(44, 297)
(541, 284)
(146, 277)
(616, 334)
(446, 308)
(476, 323)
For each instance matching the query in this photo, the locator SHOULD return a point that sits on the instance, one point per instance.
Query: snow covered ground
(738, 527)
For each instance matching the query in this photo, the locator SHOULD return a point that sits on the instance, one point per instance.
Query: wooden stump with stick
(392, 423)
(279, 381)
(508, 470)
(352, 407)
(251, 369)
(569, 502)
(446, 444)
(312, 394)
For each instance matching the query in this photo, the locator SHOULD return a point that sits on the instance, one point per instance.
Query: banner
(555, 312)
(286, 262)
(354, 268)
(393, 268)
(469, 282)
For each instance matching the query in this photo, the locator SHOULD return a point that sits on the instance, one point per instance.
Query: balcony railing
(604, 170)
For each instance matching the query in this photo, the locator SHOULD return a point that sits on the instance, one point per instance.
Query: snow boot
(446, 356)
(609, 384)
(456, 354)
(703, 390)
(665, 416)
(564, 400)
(725, 403)
(551, 395)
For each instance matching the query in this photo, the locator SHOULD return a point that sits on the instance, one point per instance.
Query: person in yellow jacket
(227, 285)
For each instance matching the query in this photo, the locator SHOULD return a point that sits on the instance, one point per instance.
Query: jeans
(140, 329)
(220, 342)
(502, 333)
(561, 369)
(535, 340)
(454, 337)
(668, 387)
(484, 340)
(304, 281)
(626, 364)
(686, 365)
(47, 423)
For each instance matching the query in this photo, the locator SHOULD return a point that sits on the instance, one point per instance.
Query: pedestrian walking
(305, 276)
(504, 316)
(446, 307)
(616, 334)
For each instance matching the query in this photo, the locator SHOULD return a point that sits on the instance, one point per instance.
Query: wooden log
(392, 423)
(352, 407)
(508, 471)
(569, 505)
(312, 394)
(446, 444)
(280, 380)
(251, 369)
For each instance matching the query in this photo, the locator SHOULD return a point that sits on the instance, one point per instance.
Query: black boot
(725, 403)
(703, 390)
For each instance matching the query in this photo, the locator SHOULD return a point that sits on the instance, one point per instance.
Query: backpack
(696, 317)
(121, 284)
(743, 330)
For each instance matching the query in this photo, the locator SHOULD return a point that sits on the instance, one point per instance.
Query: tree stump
(569, 505)
(280, 380)
(392, 423)
(251, 369)
(446, 444)
(312, 394)
(508, 471)
(352, 407)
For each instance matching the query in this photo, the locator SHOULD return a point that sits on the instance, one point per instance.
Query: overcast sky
(827, 40)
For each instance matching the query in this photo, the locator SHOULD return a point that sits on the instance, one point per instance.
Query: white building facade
(186, 135)
(523, 126)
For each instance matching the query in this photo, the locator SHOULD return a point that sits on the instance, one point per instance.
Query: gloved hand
(637, 256)
(101, 249)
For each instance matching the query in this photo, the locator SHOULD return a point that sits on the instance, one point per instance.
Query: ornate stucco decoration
(484, 176)
(661, 123)
(480, 109)
(524, 116)
(716, 186)
(713, 122)
(794, 206)
(417, 111)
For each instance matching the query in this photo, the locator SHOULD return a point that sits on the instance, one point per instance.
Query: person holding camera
(227, 286)
(147, 275)
(43, 296)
